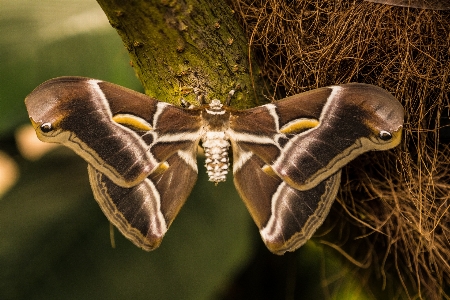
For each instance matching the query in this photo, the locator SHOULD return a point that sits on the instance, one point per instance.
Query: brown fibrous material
(397, 200)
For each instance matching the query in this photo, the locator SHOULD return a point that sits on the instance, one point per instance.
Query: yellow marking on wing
(161, 168)
(132, 121)
(299, 125)
(33, 123)
(269, 171)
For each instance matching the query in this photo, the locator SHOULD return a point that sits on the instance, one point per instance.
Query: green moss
(178, 44)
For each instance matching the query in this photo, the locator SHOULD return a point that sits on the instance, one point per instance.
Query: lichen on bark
(178, 45)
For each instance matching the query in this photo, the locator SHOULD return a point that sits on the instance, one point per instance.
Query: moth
(287, 155)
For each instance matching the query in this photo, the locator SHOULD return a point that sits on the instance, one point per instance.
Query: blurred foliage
(54, 240)
(50, 39)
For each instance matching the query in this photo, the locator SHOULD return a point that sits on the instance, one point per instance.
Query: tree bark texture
(178, 45)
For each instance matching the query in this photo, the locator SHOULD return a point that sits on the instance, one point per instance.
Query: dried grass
(397, 200)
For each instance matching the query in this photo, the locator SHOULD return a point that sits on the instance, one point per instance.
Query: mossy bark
(178, 45)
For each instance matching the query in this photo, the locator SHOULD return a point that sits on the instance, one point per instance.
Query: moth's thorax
(215, 107)
(215, 141)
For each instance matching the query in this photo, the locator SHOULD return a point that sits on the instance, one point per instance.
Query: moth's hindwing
(143, 213)
(285, 216)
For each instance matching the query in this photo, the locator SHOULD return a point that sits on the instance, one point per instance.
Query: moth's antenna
(200, 97)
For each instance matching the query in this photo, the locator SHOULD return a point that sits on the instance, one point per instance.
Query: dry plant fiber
(398, 201)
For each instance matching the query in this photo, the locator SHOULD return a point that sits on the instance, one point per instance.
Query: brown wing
(141, 152)
(143, 213)
(285, 216)
(101, 122)
(310, 136)
(288, 155)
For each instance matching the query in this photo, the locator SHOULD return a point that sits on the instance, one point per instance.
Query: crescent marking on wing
(132, 120)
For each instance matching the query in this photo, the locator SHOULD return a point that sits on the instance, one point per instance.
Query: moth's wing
(285, 216)
(288, 155)
(144, 212)
(141, 152)
(306, 138)
(100, 122)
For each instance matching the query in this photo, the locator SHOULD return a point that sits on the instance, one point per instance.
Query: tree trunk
(178, 45)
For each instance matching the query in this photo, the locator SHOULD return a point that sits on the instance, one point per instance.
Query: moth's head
(49, 105)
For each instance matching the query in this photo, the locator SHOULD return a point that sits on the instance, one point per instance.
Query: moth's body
(287, 155)
(215, 140)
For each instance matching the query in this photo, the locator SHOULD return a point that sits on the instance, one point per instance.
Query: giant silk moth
(287, 155)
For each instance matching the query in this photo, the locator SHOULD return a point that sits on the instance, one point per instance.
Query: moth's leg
(229, 97)
(185, 104)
